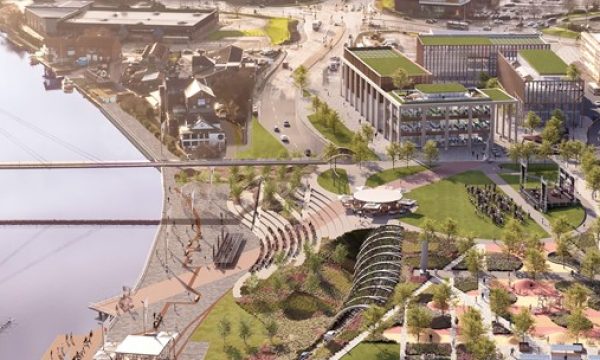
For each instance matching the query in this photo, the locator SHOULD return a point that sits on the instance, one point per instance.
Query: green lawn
(561, 32)
(386, 4)
(448, 198)
(222, 34)
(497, 94)
(386, 62)
(374, 351)
(262, 144)
(574, 214)
(545, 62)
(440, 88)
(278, 31)
(389, 175)
(339, 186)
(342, 137)
(207, 331)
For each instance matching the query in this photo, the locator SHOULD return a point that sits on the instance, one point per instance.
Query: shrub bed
(560, 318)
(435, 262)
(440, 321)
(498, 329)
(466, 284)
(428, 348)
(301, 306)
(564, 260)
(503, 262)
(461, 266)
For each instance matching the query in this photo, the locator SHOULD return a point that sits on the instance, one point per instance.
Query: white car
(284, 138)
(597, 103)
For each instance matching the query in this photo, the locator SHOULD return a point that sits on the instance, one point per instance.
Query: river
(49, 275)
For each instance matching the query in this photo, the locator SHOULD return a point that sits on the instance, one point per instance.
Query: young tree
(316, 103)
(472, 326)
(512, 237)
(340, 253)
(372, 315)
(431, 152)
(544, 151)
(360, 149)
(483, 349)
(592, 180)
(272, 329)
(300, 76)
(245, 331)
(465, 243)
(523, 322)
(224, 328)
(442, 295)
(474, 262)
(500, 301)
(418, 319)
(588, 159)
(408, 151)
(392, 150)
(576, 297)
(528, 150)
(400, 78)
(368, 132)
(450, 229)
(578, 323)
(573, 72)
(532, 121)
(560, 226)
(590, 266)
(427, 235)
(333, 120)
(402, 293)
(551, 132)
(515, 152)
(535, 262)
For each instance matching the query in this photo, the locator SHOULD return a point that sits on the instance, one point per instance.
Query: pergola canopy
(378, 196)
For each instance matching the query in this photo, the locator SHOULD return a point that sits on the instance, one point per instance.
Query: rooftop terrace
(385, 61)
(544, 62)
(456, 39)
(440, 88)
(447, 93)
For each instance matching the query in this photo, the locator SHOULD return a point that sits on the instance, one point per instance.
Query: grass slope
(389, 175)
(449, 198)
(207, 331)
(278, 31)
(373, 351)
(339, 186)
(342, 137)
(262, 145)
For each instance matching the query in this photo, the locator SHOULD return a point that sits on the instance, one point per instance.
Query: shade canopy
(379, 196)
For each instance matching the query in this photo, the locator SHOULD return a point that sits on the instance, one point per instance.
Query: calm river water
(49, 275)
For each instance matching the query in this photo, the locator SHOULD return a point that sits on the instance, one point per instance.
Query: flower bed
(466, 284)
(442, 349)
(503, 262)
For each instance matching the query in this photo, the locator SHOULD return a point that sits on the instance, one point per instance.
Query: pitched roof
(195, 87)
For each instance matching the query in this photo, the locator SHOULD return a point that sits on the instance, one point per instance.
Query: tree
(245, 331)
(418, 319)
(499, 301)
(565, 151)
(576, 297)
(573, 72)
(340, 253)
(578, 323)
(532, 121)
(595, 230)
(368, 132)
(472, 326)
(232, 111)
(372, 315)
(512, 237)
(523, 322)
(224, 328)
(359, 148)
(535, 262)
(590, 265)
(492, 83)
(515, 152)
(450, 229)
(234, 173)
(483, 349)
(329, 151)
(592, 180)
(233, 353)
(392, 150)
(588, 159)
(442, 295)
(235, 191)
(483, 79)
(431, 152)
(300, 76)
(402, 292)
(333, 120)
(560, 226)
(528, 150)
(474, 262)
(551, 134)
(544, 151)
(465, 243)
(316, 103)
(272, 329)
(400, 78)
(408, 151)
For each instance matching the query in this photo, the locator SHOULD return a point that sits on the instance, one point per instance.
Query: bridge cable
(77, 150)
(22, 146)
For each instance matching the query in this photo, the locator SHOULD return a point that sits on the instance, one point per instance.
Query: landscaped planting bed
(567, 260)
(502, 262)
(466, 284)
(442, 349)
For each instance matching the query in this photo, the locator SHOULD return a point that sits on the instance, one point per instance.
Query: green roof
(486, 39)
(386, 61)
(440, 88)
(496, 94)
(545, 62)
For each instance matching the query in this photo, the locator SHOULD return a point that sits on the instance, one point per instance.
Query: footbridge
(41, 165)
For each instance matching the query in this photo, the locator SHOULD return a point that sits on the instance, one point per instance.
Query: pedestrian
(512, 351)
(67, 339)
(430, 337)
(50, 353)
(91, 333)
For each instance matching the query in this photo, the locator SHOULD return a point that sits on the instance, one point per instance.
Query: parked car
(487, 28)
(255, 109)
